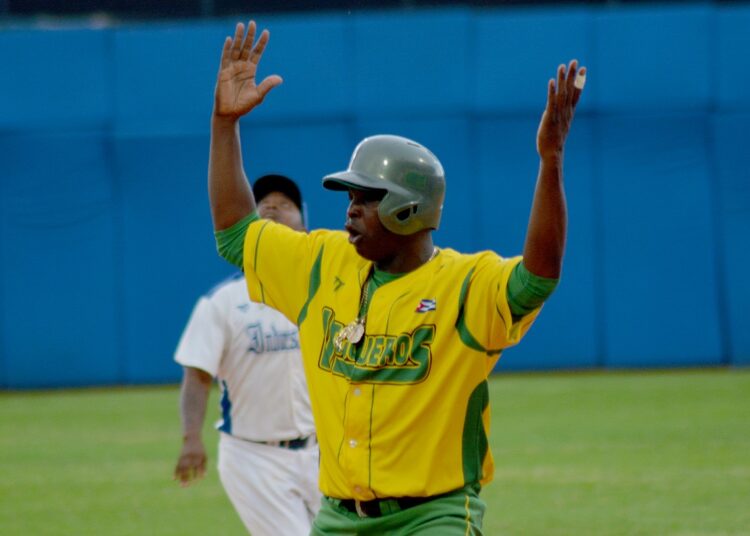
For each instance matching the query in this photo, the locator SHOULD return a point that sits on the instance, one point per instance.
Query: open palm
(236, 89)
(562, 98)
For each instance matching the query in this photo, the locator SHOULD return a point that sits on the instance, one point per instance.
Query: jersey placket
(356, 451)
(356, 458)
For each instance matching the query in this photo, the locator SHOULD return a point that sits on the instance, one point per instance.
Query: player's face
(366, 232)
(279, 208)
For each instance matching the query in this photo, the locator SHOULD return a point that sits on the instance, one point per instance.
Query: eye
(373, 196)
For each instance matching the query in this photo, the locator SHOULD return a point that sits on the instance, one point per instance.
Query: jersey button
(352, 443)
(357, 391)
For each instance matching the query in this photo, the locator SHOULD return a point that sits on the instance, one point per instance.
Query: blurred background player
(268, 454)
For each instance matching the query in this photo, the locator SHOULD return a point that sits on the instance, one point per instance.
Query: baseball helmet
(411, 176)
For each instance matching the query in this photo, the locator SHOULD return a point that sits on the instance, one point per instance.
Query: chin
(364, 252)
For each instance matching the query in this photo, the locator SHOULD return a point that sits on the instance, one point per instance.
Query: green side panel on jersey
(463, 330)
(313, 287)
(475, 443)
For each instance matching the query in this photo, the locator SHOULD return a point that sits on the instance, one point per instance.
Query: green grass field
(597, 453)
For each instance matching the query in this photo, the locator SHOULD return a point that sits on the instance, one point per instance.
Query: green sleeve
(527, 291)
(230, 242)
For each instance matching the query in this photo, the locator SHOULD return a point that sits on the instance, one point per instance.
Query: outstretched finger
(225, 53)
(561, 88)
(578, 84)
(570, 79)
(551, 101)
(249, 38)
(239, 32)
(259, 47)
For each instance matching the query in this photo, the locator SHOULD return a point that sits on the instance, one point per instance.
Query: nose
(353, 210)
(268, 211)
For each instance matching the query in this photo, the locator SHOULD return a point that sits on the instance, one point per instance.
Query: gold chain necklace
(355, 330)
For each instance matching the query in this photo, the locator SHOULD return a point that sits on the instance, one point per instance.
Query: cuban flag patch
(426, 305)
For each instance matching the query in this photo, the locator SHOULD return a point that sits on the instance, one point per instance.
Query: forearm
(545, 236)
(229, 192)
(196, 386)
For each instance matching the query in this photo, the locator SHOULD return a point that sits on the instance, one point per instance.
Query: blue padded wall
(517, 52)
(653, 58)
(165, 77)
(733, 181)
(55, 79)
(105, 232)
(660, 302)
(731, 69)
(4, 323)
(59, 280)
(168, 251)
(411, 63)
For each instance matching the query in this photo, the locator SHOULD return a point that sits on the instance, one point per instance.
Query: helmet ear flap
(398, 214)
(408, 212)
(403, 215)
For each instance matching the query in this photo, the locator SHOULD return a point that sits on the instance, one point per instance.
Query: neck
(411, 256)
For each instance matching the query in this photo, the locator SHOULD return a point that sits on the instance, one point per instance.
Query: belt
(379, 507)
(291, 444)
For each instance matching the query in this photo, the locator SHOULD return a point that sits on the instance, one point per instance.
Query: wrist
(554, 157)
(192, 437)
(224, 121)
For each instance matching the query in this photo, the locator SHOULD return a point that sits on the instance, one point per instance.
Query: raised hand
(562, 97)
(236, 89)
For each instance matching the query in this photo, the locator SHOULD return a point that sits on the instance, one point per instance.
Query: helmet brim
(344, 180)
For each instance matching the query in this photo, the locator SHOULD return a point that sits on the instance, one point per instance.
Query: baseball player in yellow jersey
(398, 336)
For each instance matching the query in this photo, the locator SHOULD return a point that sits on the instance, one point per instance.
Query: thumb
(268, 84)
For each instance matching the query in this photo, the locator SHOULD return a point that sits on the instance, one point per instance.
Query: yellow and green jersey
(405, 411)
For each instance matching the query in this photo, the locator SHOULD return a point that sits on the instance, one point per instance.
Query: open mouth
(354, 235)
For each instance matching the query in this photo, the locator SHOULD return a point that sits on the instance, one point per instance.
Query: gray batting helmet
(411, 175)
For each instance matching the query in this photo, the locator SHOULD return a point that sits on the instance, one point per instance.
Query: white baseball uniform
(268, 455)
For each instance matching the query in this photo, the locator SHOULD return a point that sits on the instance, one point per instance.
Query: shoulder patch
(426, 305)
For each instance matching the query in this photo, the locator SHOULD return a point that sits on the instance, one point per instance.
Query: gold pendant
(341, 336)
(356, 333)
(352, 333)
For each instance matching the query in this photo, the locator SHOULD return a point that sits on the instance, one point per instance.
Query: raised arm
(236, 94)
(545, 236)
